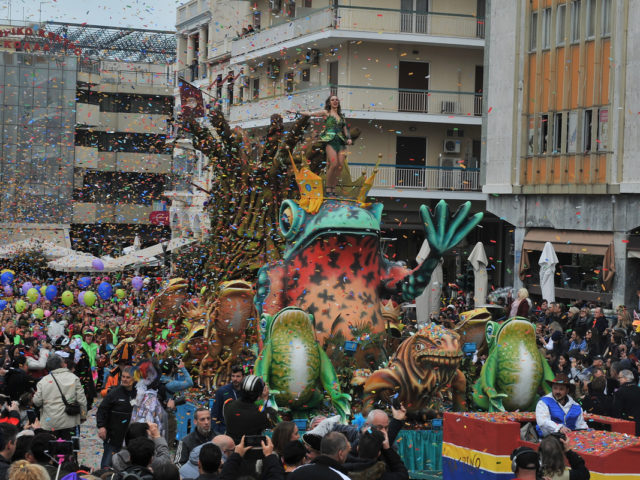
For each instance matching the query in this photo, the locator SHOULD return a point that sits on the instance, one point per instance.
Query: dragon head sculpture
(423, 365)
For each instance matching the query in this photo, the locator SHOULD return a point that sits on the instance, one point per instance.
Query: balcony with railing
(420, 177)
(133, 77)
(438, 25)
(449, 106)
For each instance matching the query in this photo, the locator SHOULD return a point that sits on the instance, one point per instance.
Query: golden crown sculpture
(311, 186)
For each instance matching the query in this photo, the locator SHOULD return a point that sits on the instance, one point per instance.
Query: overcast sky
(153, 14)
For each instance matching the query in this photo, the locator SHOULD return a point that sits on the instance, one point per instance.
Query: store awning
(146, 256)
(568, 241)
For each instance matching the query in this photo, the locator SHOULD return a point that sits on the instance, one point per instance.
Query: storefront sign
(35, 46)
(159, 217)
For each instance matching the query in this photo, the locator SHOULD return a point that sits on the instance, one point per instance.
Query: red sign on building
(159, 217)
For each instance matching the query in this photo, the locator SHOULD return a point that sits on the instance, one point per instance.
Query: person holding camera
(61, 399)
(114, 415)
(553, 449)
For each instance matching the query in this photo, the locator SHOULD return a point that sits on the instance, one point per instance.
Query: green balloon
(43, 290)
(38, 313)
(33, 295)
(89, 298)
(67, 298)
(202, 290)
(20, 306)
(120, 293)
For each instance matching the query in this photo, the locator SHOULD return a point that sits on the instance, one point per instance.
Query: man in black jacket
(376, 459)
(201, 434)
(626, 400)
(7, 447)
(18, 381)
(114, 415)
(334, 450)
(242, 416)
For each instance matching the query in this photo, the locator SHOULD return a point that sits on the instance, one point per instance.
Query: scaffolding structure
(111, 43)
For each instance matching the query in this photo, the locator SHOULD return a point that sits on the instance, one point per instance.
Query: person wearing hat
(557, 411)
(90, 346)
(525, 463)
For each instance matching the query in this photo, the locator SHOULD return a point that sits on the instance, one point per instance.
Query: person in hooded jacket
(376, 459)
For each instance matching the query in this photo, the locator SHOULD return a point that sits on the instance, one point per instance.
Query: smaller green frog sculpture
(515, 369)
(294, 366)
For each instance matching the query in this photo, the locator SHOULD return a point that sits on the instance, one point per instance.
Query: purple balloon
(81, 299)
(137, 283)
(26, 286)
(97, 265)
(8, 291)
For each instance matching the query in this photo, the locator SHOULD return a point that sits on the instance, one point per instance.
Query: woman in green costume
(336, 137)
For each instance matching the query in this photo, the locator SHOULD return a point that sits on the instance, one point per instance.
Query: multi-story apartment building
(561, 140)
(85, 112)
(409, 74)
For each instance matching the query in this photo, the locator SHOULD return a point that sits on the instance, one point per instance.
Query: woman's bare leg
(333, 169)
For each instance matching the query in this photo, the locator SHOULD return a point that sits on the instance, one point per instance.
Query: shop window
(543, 133)
(557, 133)
(588, 123)
(572, 132)
(603, 130)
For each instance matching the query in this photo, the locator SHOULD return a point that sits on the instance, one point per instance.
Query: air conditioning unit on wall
(451, 145)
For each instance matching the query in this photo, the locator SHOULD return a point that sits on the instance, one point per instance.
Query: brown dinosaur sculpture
(423, 366)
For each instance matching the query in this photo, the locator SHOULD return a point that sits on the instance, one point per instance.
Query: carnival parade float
(297, 278)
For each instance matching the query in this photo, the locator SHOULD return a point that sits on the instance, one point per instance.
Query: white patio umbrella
(429, 301)
(548, 261)
(479, 262)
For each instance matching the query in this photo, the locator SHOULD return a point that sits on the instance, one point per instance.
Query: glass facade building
(37, 123)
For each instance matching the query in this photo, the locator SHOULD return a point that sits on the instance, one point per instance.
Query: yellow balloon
(33, 295)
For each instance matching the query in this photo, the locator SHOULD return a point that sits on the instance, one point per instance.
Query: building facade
(409, 75)
(85, 116)
(561, 142)
(123, 162)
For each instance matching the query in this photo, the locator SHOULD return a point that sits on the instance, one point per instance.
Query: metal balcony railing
(358, 18)
(360, 98)
(391, 20)
(132, 77)
(420, 177)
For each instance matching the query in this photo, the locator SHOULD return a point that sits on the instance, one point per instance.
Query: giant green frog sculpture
(294, 366)
(515, 369)
(333, 266)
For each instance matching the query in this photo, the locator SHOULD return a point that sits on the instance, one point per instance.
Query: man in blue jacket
(230, 391)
